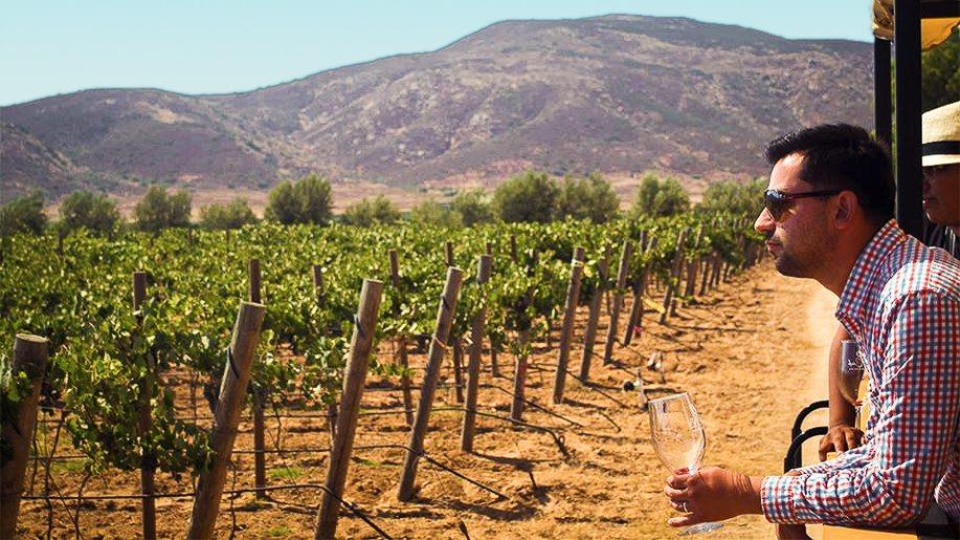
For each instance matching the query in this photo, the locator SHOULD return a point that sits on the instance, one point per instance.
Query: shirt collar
(858, 290)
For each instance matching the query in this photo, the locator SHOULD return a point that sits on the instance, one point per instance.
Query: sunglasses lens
(776, 204)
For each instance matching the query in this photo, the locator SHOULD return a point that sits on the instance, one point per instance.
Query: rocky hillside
(617, 94)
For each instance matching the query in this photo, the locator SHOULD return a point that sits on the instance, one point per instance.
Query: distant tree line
(533, 197)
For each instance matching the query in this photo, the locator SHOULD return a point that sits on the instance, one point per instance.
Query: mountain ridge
(616, 94)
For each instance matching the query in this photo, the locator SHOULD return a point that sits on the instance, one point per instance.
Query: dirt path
(751, 355)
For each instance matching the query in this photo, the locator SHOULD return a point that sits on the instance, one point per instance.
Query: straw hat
(941, 135)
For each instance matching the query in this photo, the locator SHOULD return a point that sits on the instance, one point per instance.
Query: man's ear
(846, 207)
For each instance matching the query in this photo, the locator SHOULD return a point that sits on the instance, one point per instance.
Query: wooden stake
(693, 266)
(520, 377)
(636, 310)
(254, 285)
(473, 367)
(705, 274)
(259, 443)
(233, 391)
(566, 333)
(625, 257)
(318, 286)
(353, 380)
(674, 284)
(148, 460)
(445, 315)
(402, 344)
(590, 335)
(448, 251)
(321, 296)
(29, 357)
(458, 369)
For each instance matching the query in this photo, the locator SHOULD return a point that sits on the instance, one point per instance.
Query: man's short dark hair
(841, 156)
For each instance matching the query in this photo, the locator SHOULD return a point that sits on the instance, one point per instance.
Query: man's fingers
(677, 481)
(824, 450)
(682, 521)
(853, 438)
(673, 493)
(843, 441)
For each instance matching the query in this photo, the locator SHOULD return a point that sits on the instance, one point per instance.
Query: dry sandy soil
(751, 354)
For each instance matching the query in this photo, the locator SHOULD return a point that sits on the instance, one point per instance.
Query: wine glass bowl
(678, 436)
(851, 371)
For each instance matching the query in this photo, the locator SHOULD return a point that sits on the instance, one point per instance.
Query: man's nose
(764, 223)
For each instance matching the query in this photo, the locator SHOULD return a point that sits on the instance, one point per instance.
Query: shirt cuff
(777, 496)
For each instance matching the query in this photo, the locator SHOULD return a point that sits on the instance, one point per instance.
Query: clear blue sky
(50, 47)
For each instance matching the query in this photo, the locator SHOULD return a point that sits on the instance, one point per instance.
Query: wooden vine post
(494, 365)
(717, 263)
(254, 282)
(705, 273)
(674, 284)
(318, 288)
(622, 273)
(402, 343)
(321, 295)
(448, 253)
(566, 333)
(520, 376)
(233, 391)
(590, 335)
(455, 343)
(445, 315)
(636, 310)
(458, 383)
(259, 422)
(356, 373)
(29, 358)
(717, 269)
(693, 266)
(148, 460)
(473, 367)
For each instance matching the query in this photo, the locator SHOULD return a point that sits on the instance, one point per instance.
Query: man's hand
(711, 494)
(840, 438)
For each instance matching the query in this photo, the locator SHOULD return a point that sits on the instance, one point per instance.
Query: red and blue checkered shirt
(902, 305)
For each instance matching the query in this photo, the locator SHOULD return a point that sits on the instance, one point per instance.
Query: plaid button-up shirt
(902, 305)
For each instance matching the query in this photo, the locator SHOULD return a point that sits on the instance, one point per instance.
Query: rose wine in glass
(679, 440)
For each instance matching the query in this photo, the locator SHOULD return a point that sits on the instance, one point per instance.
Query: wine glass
(679, 440)
(851, 372)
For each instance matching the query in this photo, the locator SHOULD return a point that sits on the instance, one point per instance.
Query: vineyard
(329, 375)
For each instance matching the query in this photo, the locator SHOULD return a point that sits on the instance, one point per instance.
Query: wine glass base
(700, 528)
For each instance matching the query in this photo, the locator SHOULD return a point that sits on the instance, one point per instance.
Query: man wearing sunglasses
(828, 216)
(941, 204)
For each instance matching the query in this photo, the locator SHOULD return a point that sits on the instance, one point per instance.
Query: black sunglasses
(778, 202)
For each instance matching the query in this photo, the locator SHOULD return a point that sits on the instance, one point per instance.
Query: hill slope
(616, 94)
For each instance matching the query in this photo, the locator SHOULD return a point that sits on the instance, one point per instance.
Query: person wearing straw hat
(828, 216)
(941, 174)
